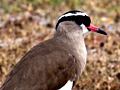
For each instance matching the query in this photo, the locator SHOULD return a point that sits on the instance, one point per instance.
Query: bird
(57, 63)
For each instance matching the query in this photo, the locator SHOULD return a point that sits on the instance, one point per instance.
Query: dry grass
(23, 24)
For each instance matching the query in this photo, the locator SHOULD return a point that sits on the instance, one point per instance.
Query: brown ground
(23, 24)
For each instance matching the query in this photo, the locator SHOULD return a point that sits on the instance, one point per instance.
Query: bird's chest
(80, 55)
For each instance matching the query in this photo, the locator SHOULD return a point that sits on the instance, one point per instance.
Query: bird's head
(82, 20)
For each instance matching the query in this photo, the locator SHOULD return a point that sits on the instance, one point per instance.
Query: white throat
(85, 30)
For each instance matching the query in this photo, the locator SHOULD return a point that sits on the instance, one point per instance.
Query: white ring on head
(73, 14)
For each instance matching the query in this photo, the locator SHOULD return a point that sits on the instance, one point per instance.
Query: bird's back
(47, 66)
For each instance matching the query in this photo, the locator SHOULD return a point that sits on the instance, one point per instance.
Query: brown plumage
(48, 65)
(52, 63)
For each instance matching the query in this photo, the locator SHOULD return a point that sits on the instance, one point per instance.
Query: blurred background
(25, 23)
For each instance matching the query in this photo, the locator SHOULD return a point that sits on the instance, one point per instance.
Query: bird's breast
(81, 55)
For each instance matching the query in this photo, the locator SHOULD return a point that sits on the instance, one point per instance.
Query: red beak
(96, 29)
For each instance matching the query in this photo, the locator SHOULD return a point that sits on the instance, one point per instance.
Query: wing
(47, 66)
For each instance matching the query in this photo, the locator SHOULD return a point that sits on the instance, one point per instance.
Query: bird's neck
(78, 49)
(71, 35)
(75, 42)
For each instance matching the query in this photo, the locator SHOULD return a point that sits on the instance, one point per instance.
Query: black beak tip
(101, 31)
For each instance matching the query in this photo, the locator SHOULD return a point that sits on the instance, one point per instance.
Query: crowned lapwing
(57, 63)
